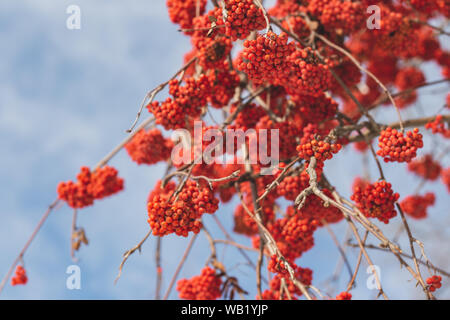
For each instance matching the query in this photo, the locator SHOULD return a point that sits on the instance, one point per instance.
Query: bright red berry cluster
(264, 59)
(291, 186)
(206, 286)
(242, 17)
(317, 147)
(20, 276)
(396, 147)
(277, 265)
(183, 215)
(187, 101)
(434, 283)
(315, 109)
(304, 275)
(344, 296)
(439, 126)
(183, 12)
(149, 147)
(272, 59)
(408, 78)
(316, 209)
(90, 186)
(376, 200)
(345, 16)
(308, 75)
(416, 206)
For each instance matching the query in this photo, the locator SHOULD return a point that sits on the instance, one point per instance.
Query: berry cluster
(315, 109)
(308, 75)
(187, 101)
(345, 16)
(434, 283)
(90, 186)
(149, 147)
(315, 146)
(408, 78)
(20, 276)
(245, 224)
(183, 215)
(344, 296)
(376, 200)
(242, 17)
(277, 265)
(264, 59)
(316, 209)
(416, 206)
(285, 145)
(293, 233)
(223, 84)
(425, 167)
(396, 147)
(439, 126)
(304, 275)
(205, 286)
(183, 12)
(291, 186)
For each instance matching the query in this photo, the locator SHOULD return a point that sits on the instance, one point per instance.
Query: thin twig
(27, 244)
(128, 253)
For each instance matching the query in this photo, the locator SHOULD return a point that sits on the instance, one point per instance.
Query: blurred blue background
(67, 97)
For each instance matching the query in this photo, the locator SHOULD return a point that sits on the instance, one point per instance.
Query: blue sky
(67, 97)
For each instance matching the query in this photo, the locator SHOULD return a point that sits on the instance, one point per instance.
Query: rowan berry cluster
(434, 283)
(291, 186)
(242, 17)
(304, 275)
(315, 208)
(285, 145)
(344, 296)
(376, 200)
(183, 12)
(315, 109)
(314, 146)
(210, 44)
(20, 276)
(416, 206)
(277, 265)
(396, 147)
(90, 186)
(425, 167)
(397, 33)
(264, 59)
(206, 286)
(439, 126)
(408, 78)
(187, 101)
(345, 16)
(245, 224)
(183, 215)
(223, 84)
(149, 147)
(308, 75)
(293, 233)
